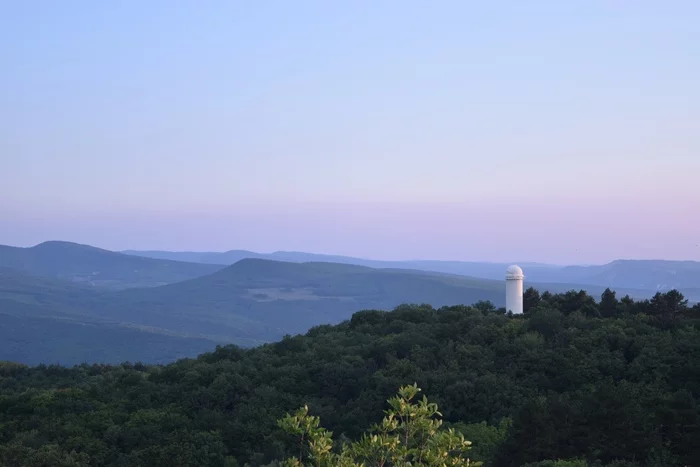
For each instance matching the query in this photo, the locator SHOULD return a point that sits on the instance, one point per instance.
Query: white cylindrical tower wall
(514, 289)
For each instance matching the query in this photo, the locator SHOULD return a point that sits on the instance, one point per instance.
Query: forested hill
(611, 382)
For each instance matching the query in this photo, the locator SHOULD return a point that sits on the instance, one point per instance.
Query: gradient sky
(557, 131)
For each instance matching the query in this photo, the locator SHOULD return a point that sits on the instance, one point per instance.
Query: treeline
(576, 380)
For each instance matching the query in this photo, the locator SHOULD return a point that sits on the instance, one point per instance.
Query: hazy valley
(633, 274)
(69, 303)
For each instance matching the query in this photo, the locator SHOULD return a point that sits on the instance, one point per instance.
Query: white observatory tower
(514, 289)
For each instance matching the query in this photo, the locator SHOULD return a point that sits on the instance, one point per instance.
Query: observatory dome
(514, 272)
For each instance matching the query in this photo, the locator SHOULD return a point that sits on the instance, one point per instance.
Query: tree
(573, 301)
(558, 463)
(695, 311)
(409, 435)
(668, 304)
(531, 298)
(667, 308)
(485, 306)
(608, 304)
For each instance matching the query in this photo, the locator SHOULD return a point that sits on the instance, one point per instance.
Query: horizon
(341, 255)
(559, 133)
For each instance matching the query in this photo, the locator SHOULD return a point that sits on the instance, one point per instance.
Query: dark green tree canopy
(574, 381)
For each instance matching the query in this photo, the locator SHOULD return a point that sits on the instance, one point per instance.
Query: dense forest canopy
(572, 381)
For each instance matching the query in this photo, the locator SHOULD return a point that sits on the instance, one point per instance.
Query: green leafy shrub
(411, 434)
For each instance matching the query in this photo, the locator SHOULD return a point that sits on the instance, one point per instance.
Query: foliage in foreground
(410, 434)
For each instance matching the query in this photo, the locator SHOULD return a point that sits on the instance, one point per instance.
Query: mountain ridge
(249, 303)
(96, 266)
(644, 274)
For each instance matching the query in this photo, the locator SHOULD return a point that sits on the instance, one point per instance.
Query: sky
(562, 132)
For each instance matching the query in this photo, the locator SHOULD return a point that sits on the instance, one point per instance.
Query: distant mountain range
(248, 303)
(69, 303)
(650, 275)
(97, 267)
(476, 269)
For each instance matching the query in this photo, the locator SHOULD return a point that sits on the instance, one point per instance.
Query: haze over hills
(248, 303)
(97, 267)
(45, 320)
(32, 340)
(262, 300)
(637, 274)
(69, 303)
(377, 172)
(466, 268)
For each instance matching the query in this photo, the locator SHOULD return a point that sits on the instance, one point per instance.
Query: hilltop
(257, 301)
(97, 267)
